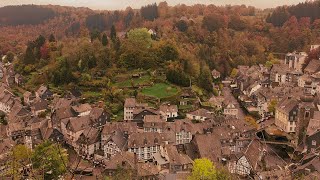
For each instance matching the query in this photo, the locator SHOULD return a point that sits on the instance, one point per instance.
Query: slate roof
(176, 158)
(201, 112)
(208, 146)
(82, 108)
(129, 127)
(313, 66)
(168, 108)
(314, 124)
(76, 124)
(123, 159)
(40, 105)
(145, 139)
(130, 102)
(287, 105)
(119, 139)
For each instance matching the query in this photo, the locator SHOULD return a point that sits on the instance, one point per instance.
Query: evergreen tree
(29, 57)
(113, 34)
(104, 40)
(205, 80)
(52, 38)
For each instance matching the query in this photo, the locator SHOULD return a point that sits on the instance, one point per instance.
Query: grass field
(160, 90)
(144, 80)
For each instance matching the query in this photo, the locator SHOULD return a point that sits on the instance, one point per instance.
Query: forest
(91, 49)
(25, 15)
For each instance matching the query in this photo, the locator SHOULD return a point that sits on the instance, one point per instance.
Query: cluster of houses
(286, 99)
(159, 143)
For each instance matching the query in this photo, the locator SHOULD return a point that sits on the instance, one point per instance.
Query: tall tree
(104, 40)
(150, 12)
(113, 33)
(205, 79)
(50, 159)
(29, 57)
(203, 169)
(52, 38)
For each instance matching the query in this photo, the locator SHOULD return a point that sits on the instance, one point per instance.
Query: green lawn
(144, 80)
(160, 90)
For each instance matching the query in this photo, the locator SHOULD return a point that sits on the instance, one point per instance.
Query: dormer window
(145, 141)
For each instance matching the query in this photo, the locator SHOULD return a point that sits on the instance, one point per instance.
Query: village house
(88, 142)
(98, 117)
(140, 113)
(230, 109)
(169, 158)
(313, 67)
(154, 123)
(313, 133)
(39, 107)
(48, 132)
(126, 128)
(28, 98)
(145, 144)
(129, 106)
(43, 92)
(113, 144)
(295, 60)
(82, 109)
(61, 114)
(18, 113)
(280, 74)
(200, 115)
(293, 115)
(128, 162)
(286, 115)
(181, 131)
(73, 127)
(169, 111)
(250, 160)
(6, 101)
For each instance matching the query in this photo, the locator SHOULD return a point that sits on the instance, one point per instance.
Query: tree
(104, 40)
(150, 12)
(182, 25)
(19, 158)
(205, 79)
(52, 38)
(139, 38)
(95, 34)
(203, 169)
(113, 33)
(39, 42)
(166, 52)
(272, 106)
(29, 57)
(178, 77)
(234, 73)
(213, 22)
(49, 160)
